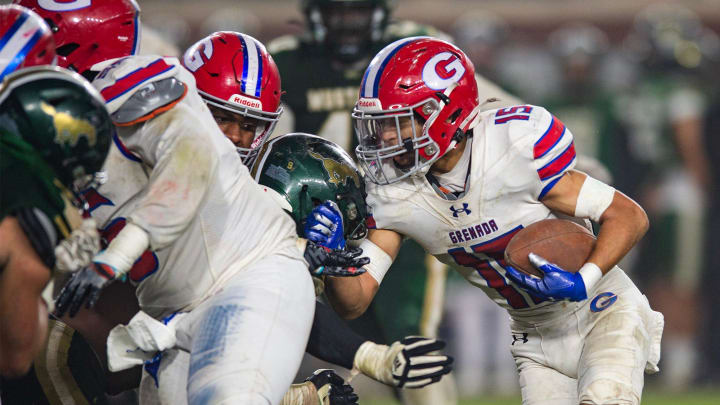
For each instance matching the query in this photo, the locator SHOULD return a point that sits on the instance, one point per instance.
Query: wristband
(379, 260)
(125, 249)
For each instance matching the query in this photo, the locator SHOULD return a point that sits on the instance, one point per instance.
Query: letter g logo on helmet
(431, 77)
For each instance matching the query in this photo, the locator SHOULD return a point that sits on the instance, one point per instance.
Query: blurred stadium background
(637, 82)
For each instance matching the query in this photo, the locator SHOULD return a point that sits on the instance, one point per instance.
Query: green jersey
(28, 183)
(321, 95)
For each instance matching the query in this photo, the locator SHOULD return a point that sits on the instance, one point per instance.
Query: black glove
(324, 261)
(331, 388)
(85, 284)
(416, 366)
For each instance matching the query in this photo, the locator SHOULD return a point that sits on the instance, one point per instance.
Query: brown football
(559, 241)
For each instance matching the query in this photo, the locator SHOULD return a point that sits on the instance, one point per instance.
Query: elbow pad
(594, 198)
(379, 260)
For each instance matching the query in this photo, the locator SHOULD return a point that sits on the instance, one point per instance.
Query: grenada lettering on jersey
(473, 232)
(433, 68)
(55, 5)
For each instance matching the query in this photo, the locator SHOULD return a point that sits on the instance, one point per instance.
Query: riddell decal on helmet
(369, 103)
(432, 78)
(246, 101)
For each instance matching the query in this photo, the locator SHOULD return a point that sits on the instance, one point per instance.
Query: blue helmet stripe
(13, 29)
(243, 81)
(137, 34)
(18, 59)
(258, 83)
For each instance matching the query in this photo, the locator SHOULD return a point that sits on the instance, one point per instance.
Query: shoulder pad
(283, 43)
(137, 88)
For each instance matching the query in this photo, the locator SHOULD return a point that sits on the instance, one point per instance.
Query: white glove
(77, 250)
(408, 363)
(137, 342)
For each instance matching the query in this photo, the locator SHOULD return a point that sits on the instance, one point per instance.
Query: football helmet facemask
(413, 83)
(234, 72)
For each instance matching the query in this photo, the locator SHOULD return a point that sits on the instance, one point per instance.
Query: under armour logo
(519, 337)
(461, 210)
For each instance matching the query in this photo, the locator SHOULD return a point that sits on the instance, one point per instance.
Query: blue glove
(324, 225)
(556, 284)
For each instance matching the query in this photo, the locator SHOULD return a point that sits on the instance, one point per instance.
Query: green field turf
(649, 398)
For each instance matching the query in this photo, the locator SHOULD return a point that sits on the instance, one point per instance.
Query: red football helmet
(417, 79)
(235, 72)
(25, 40)
(90, 31)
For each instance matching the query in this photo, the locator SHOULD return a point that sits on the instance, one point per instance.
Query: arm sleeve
(551, 150)
(183, 164)
(331, 339)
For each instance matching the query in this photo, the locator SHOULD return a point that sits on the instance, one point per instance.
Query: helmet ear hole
(67, 49)
(454, 116)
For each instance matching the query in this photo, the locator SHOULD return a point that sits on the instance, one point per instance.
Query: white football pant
(246, 342)
(596, 354)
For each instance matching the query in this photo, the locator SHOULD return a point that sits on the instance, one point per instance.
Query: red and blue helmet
(235, 72)
(421, 80)
(90, 31)
(25, 40)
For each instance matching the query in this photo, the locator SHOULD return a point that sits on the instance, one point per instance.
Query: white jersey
(518, 154)
(178, 177)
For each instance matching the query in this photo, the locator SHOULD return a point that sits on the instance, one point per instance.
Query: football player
(322, 69)
(462, 182)
(55, 136)
(214, 247)
(305, 174)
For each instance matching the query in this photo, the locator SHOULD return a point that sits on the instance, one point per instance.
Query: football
(560, 241)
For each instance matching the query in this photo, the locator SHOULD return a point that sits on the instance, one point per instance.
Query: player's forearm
(351, 296)
(23, 325)
(331, 339)
(621, 227)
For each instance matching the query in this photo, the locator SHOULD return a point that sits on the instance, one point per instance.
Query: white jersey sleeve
(544, 141)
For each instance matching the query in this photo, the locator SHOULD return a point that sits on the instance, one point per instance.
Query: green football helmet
(348, 28)
(62, 117)
(306, 170)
